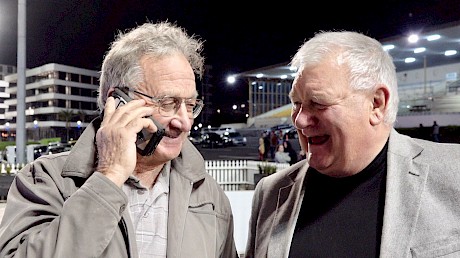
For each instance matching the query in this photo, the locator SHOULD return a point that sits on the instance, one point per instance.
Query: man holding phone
(126, 189)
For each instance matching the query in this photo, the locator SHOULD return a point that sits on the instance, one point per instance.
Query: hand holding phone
(146, 142)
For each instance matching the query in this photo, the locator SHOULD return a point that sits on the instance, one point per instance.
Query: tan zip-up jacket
(59, 206)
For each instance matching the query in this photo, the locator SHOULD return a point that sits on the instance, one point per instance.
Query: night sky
(239, 35)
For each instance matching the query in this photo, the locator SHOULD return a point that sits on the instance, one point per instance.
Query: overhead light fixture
(388, 47)
(450, 52)
(433, 37)
(419, 50)
(413, 38)
(409, 60)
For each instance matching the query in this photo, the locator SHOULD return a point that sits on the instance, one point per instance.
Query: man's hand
(116, 138)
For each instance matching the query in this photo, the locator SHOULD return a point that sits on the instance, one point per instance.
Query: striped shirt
(148, 209)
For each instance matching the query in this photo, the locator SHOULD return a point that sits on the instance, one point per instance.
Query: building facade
(60, 101)
(4, 95)
(6, 69)
(426, 94)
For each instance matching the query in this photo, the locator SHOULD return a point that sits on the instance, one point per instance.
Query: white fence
(232, 175)
(13, 168)
(235, 175)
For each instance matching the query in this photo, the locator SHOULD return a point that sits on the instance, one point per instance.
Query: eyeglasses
(168, 106)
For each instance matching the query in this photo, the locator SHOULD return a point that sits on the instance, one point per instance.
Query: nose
(303, 118)
(183, 118)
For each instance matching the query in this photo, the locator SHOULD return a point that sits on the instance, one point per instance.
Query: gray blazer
(422, 203)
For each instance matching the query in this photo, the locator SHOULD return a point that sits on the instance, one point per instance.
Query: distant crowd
(274, 145)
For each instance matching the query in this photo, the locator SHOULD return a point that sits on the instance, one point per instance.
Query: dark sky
(239, 35)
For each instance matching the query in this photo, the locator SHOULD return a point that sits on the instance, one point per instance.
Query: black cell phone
(146, 142)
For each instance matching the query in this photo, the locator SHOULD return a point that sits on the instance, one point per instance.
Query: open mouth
(317, 140)
(172, 133)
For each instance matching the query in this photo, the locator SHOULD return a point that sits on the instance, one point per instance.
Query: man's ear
(380, 105)
(109, 92)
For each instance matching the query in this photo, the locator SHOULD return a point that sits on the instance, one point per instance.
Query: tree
(81, 115)
(66, 115)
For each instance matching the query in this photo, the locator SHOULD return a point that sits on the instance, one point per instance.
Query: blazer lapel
(404, 186)
(287, 211)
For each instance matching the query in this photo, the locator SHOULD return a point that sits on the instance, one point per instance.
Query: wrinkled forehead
(168, 75)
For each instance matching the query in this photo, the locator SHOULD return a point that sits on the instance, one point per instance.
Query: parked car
(214, 140)
(54, 149)
(223, 130)
(195, 137)
(208, 129)
(39, 150)
(235, 138)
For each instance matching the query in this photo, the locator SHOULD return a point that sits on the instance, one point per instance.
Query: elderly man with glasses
(110, 196)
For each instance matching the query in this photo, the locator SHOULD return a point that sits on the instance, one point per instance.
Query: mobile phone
(146, 142)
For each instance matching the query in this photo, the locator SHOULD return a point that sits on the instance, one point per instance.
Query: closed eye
(319, 106)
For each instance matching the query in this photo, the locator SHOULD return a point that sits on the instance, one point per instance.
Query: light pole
(21, 84)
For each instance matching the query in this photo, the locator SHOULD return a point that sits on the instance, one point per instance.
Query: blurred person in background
(281, 156)
(261, 147)
(273, 144)
(290, 150)
(435, 131)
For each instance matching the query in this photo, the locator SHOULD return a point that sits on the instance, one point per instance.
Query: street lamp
(37, 129)
(79, 127)
(231, 79)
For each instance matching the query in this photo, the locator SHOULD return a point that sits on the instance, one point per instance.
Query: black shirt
(342, 217)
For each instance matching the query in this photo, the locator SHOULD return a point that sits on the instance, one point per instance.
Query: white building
(60, 101)
(4, 70)
(3, 96)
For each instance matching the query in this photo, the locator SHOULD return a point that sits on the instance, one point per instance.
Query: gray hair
(121, 65)
(368, 63)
